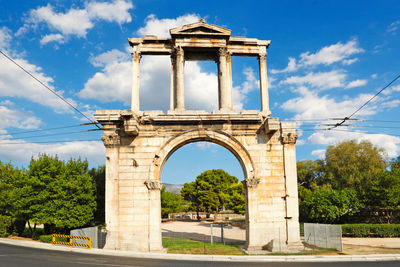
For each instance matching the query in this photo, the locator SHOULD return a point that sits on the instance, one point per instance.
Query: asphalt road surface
(11, 256)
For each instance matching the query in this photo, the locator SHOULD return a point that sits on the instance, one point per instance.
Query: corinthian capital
(289, 138)
(136, 55)
(262, 56)
(112, 139)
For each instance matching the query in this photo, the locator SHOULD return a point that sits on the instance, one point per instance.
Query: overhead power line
(366, 103)
(54, 134)
(47, 142)
(41, 130)
(48, 88)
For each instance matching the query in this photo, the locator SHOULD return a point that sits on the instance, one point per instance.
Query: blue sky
(325, 60)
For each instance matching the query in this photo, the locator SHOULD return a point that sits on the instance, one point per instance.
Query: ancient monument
(138, 143)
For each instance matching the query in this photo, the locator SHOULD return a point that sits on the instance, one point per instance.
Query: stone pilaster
(262, 60)
(136, 56)
(155, 240)
(112, 142)
(291, 196)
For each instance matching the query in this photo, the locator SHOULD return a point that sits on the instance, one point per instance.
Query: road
(13, 256)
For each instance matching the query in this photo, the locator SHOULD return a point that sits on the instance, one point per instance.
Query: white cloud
(331, 54)
(16, 151)
(292, 66)
(356, 83)
(17, 118)
(391, 144)
(320, 80)
(117, 10)
(394, 26)
(391, 90)
(349, 61)
(76, 21)
(5, 37)
(16, 83)
(161, 27)
(320, 153)
(339, 52)
(109, 57)
(309, 105)
(52, 38)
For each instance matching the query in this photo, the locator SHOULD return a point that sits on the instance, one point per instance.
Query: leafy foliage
(56, 193)
(354, 176)
(328, 205)
(170, 202)
(213, 191)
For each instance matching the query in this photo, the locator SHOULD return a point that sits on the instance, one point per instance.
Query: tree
(170, 202)
(310, 173)
(350, 164)
(213, 191)
(384, 193)
(328, 205)
(99, 176)
(59, 193)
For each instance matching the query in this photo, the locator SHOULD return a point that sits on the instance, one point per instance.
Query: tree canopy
(214, 191)
(354, 177)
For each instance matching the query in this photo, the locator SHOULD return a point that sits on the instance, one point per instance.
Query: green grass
(187, 246)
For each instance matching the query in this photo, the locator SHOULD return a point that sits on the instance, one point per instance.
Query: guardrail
(71, 240)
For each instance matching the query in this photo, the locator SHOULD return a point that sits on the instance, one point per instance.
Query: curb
(191, 257)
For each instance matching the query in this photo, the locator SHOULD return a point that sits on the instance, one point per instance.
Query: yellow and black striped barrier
(71, 240)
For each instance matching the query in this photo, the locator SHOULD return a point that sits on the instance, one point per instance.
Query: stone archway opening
(198, 157)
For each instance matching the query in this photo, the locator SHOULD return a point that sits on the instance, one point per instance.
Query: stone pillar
(136, 55)
(229, 79)
(112, 142)
(225, 94)
(155, 239)
(172, 97)
(262, 60)
(179, 79)
(291, 195)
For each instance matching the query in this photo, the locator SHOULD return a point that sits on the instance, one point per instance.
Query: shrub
(5, 223)
(371, 230)
(46, 238)
(49, 239)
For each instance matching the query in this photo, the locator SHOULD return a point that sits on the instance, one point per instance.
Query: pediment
(200, 28)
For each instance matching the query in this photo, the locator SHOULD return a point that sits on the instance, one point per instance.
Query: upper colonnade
(200, 41)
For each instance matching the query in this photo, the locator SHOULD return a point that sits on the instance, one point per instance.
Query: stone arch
(218, 137)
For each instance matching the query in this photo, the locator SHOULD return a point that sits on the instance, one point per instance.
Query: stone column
(229, 79)
(262, 60)
(291, 195)
(172, 97)
(225, 95)
(136, 55)
(155, 240)
(179, 79)
(112, 142)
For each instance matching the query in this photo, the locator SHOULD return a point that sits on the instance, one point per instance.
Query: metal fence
(98, 237)
(323, 235)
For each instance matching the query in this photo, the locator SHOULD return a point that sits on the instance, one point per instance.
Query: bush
(5, 223)
(49, 239)
(371, 230)
(46, 238)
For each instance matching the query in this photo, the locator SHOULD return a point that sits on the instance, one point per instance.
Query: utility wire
(47, 142)
(48, 88)
(45, 135)
(40, 130)
(366, 103)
